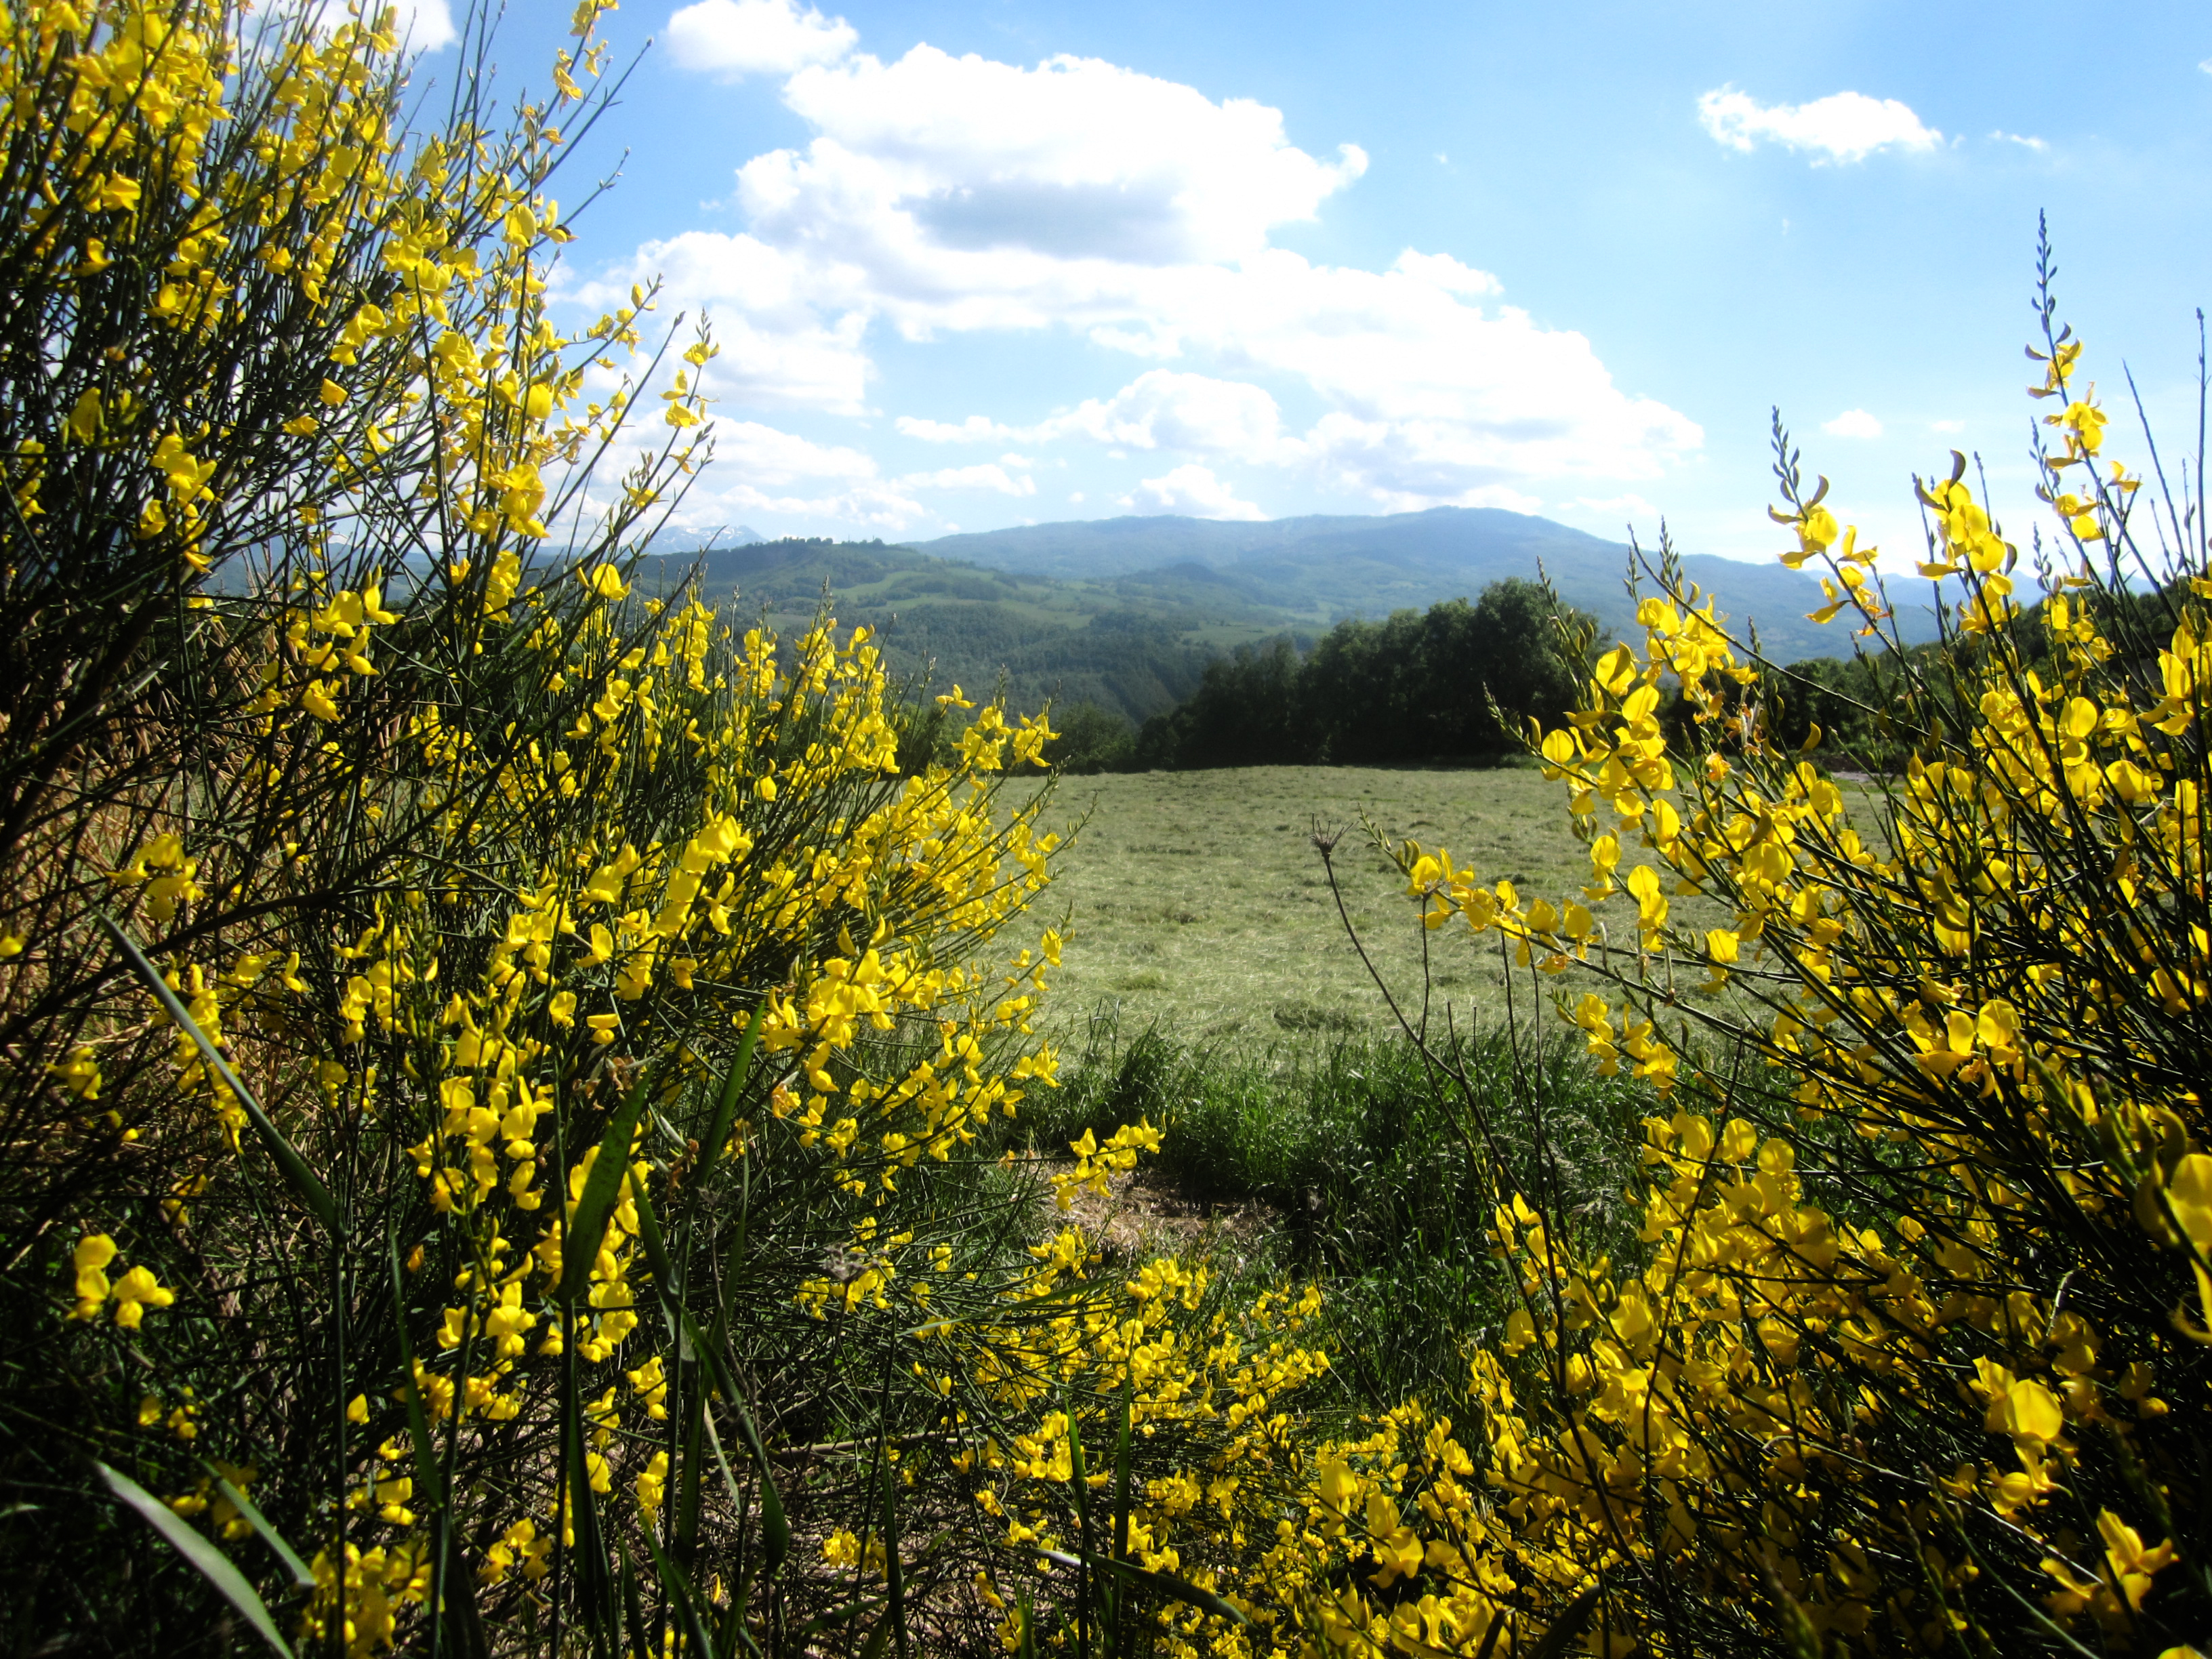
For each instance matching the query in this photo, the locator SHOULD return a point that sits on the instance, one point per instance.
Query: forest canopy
(1456, 683)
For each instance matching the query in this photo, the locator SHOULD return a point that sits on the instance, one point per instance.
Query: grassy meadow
(1199, 905)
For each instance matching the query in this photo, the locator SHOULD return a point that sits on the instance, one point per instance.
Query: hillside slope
(1127, 612)
(1137, 647)
(1321, 569)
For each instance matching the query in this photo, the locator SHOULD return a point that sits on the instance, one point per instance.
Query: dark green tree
(1417, 686)
(1089, 739)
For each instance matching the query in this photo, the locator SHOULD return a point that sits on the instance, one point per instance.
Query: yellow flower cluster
(374, 1588)
(1220, 1386)
(131, 1294)
(1094, 1165)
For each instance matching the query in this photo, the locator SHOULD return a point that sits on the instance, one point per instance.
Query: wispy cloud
(976, 429)
(1844, 126)
(1617, 508)
(2024, 142)
(985, 477)
(1852, 423)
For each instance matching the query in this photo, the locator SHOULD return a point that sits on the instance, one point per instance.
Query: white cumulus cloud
(943, 196)
(757, 37)
(1160, 409)
(791, 335)
(426, 25)
(418, 25)
(769, 456)
(1191, 490)
(1442, 270)
(957, 162)
(762, 469)
(1844, 126)
(1631, 508)
(1164, 409)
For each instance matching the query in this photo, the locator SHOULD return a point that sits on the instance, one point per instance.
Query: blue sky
(1009, 261)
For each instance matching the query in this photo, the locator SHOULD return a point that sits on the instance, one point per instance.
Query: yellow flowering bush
(1910, 1351)
(501, 1066)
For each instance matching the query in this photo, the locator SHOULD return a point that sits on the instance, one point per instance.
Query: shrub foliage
(1911, 1352)
(494, 1066)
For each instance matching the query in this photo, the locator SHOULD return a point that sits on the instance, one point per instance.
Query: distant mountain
(1094, 548)
(1127, 613)
(1322, 568)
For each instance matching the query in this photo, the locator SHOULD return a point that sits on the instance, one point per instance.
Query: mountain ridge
(1127, 612)
(1324, 568)
(1133, 542)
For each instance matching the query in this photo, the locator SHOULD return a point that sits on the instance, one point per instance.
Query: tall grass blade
(894, 1570)
(775, 1530)
(1165, 1585)
(689, 1479)
(677, 1586)
(1120, 1540)
(302, 1575)
(735, 1637)
(213, 1564)
(588, 1230)
(592, 1588)
(418, 1424)
(632, 1603)
(304, 1181)
(458, 1614)
(1567, 1626)
(459, 1619)
(648, 1231)
(1086, 1585)
(733, 1088)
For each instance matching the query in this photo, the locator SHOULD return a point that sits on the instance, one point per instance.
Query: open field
(1199, 903)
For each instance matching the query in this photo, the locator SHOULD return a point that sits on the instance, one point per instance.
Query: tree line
(1453, 683)
(1432, 686)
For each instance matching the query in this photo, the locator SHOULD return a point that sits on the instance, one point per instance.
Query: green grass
(1210, 986)
(1357, 1148)
(1200, 906)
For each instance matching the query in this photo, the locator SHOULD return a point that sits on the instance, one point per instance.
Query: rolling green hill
(1322, 568)
(1127, 612)
(1138, 646)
